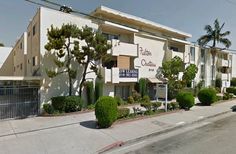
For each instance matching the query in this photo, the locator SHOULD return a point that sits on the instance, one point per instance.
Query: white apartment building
(139, 47)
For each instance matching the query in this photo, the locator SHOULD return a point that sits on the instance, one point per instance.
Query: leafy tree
(1, 45)
(63, 43)
(214, 35)
(189, 73)
(171, 71)
(94, 50)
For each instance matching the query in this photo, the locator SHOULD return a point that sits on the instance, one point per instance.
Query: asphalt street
(218, 137)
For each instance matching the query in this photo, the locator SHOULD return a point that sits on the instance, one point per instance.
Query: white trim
(138, 19)
(18, 78)
(121, 26)
(180, 41)
(151, 36)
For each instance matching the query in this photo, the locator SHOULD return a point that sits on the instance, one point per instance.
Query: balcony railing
(122, 48)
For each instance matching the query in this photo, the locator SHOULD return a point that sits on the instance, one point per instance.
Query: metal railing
(18, 102)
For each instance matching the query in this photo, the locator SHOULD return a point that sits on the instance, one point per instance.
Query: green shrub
(89, 92)
(58, 103)
(48, 108)
(207, 96)
(174, 105)
(146, 99)
(91, 107)
(218, 83)
(146, 105)
(234, 91)
(226, 96)
(156, 105)
(123, 112)
(218, 90)
(73, 103)
(137, 97)
(148, 112)
(130, 100)
(230, 89)
(67, 103)
(119, 100)
(142, 87)
(98, 89)
(185, 100)
(233, 82)
(106, 111)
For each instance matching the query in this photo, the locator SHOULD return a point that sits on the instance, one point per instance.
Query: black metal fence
(19, 102)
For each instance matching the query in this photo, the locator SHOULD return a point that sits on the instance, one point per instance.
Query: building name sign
(147, 63)
(124, 73)
(144, 52)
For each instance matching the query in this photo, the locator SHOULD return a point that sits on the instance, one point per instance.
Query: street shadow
(92, 124)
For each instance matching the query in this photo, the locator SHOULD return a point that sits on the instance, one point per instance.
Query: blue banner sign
(124, 73)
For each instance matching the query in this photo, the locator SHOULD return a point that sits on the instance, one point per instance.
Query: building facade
(138, 49)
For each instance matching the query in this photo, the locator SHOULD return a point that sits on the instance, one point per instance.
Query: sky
(186, 15)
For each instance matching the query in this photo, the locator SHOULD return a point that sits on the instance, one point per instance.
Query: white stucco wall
(234, 64)
(154, 50)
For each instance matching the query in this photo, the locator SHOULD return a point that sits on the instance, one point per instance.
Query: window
(21, 66)
(21, 45)
(110, 36)
(34, 29)
(192, 53)
(122, 91)
(174, 48)
(202, 71)
(35, 61)
(14, 69)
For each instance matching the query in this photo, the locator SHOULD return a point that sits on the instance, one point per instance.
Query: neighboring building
(139, 47)
(6, 61)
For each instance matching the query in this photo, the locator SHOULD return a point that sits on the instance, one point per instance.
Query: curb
(132, 141)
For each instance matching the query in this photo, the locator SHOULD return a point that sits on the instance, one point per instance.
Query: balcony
(122, 48)
(171, 54)
(224, 63)
(223, 76)
(116, 75)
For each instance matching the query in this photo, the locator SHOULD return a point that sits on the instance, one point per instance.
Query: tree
(171, 71)
(94, 50)
(63, 43)
(189, 74)
(1, 45)
(214, 35)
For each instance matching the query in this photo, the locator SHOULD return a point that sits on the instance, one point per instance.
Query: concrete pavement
(78, 134)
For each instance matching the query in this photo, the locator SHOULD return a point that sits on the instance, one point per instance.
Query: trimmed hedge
(233, 82)
(106, 111)
(123, 112)
(98, 89)
(185, 100)
(67, 103)
(119, 100)
(207, 96)
(230, 90)
(48, 108)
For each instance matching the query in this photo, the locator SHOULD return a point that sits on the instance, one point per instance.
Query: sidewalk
(78, 133)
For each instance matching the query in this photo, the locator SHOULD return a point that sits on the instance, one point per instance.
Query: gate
(19, 102)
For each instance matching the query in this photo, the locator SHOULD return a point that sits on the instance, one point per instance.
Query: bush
(137, 97)
(227, 96)
(119, 100)
(230, 89)
(218, 90)
(207, 96)
(98, 89)
(174, 105)
(156, 105)
(123, 112)
(142, 87)
(91, 107)
(89, 92)
(130, 100)
(106, 111)
(67, 103)
(233, 82)
(73, 103)
(185, 100)
(219, 98)
(146, 99)
(147, 106)
(48, 108)
(218, 83)
(58, 103)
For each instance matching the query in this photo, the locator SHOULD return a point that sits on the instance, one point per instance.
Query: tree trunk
(213, 53)
(83, 78)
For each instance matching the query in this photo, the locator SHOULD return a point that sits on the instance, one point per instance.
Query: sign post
(166, 97)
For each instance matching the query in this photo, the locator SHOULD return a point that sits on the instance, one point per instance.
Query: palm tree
(216, 36)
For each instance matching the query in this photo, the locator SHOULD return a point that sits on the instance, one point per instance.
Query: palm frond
(225, 34)
(217, 25)
(208, 29)
(226, 42)
(203, 40)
